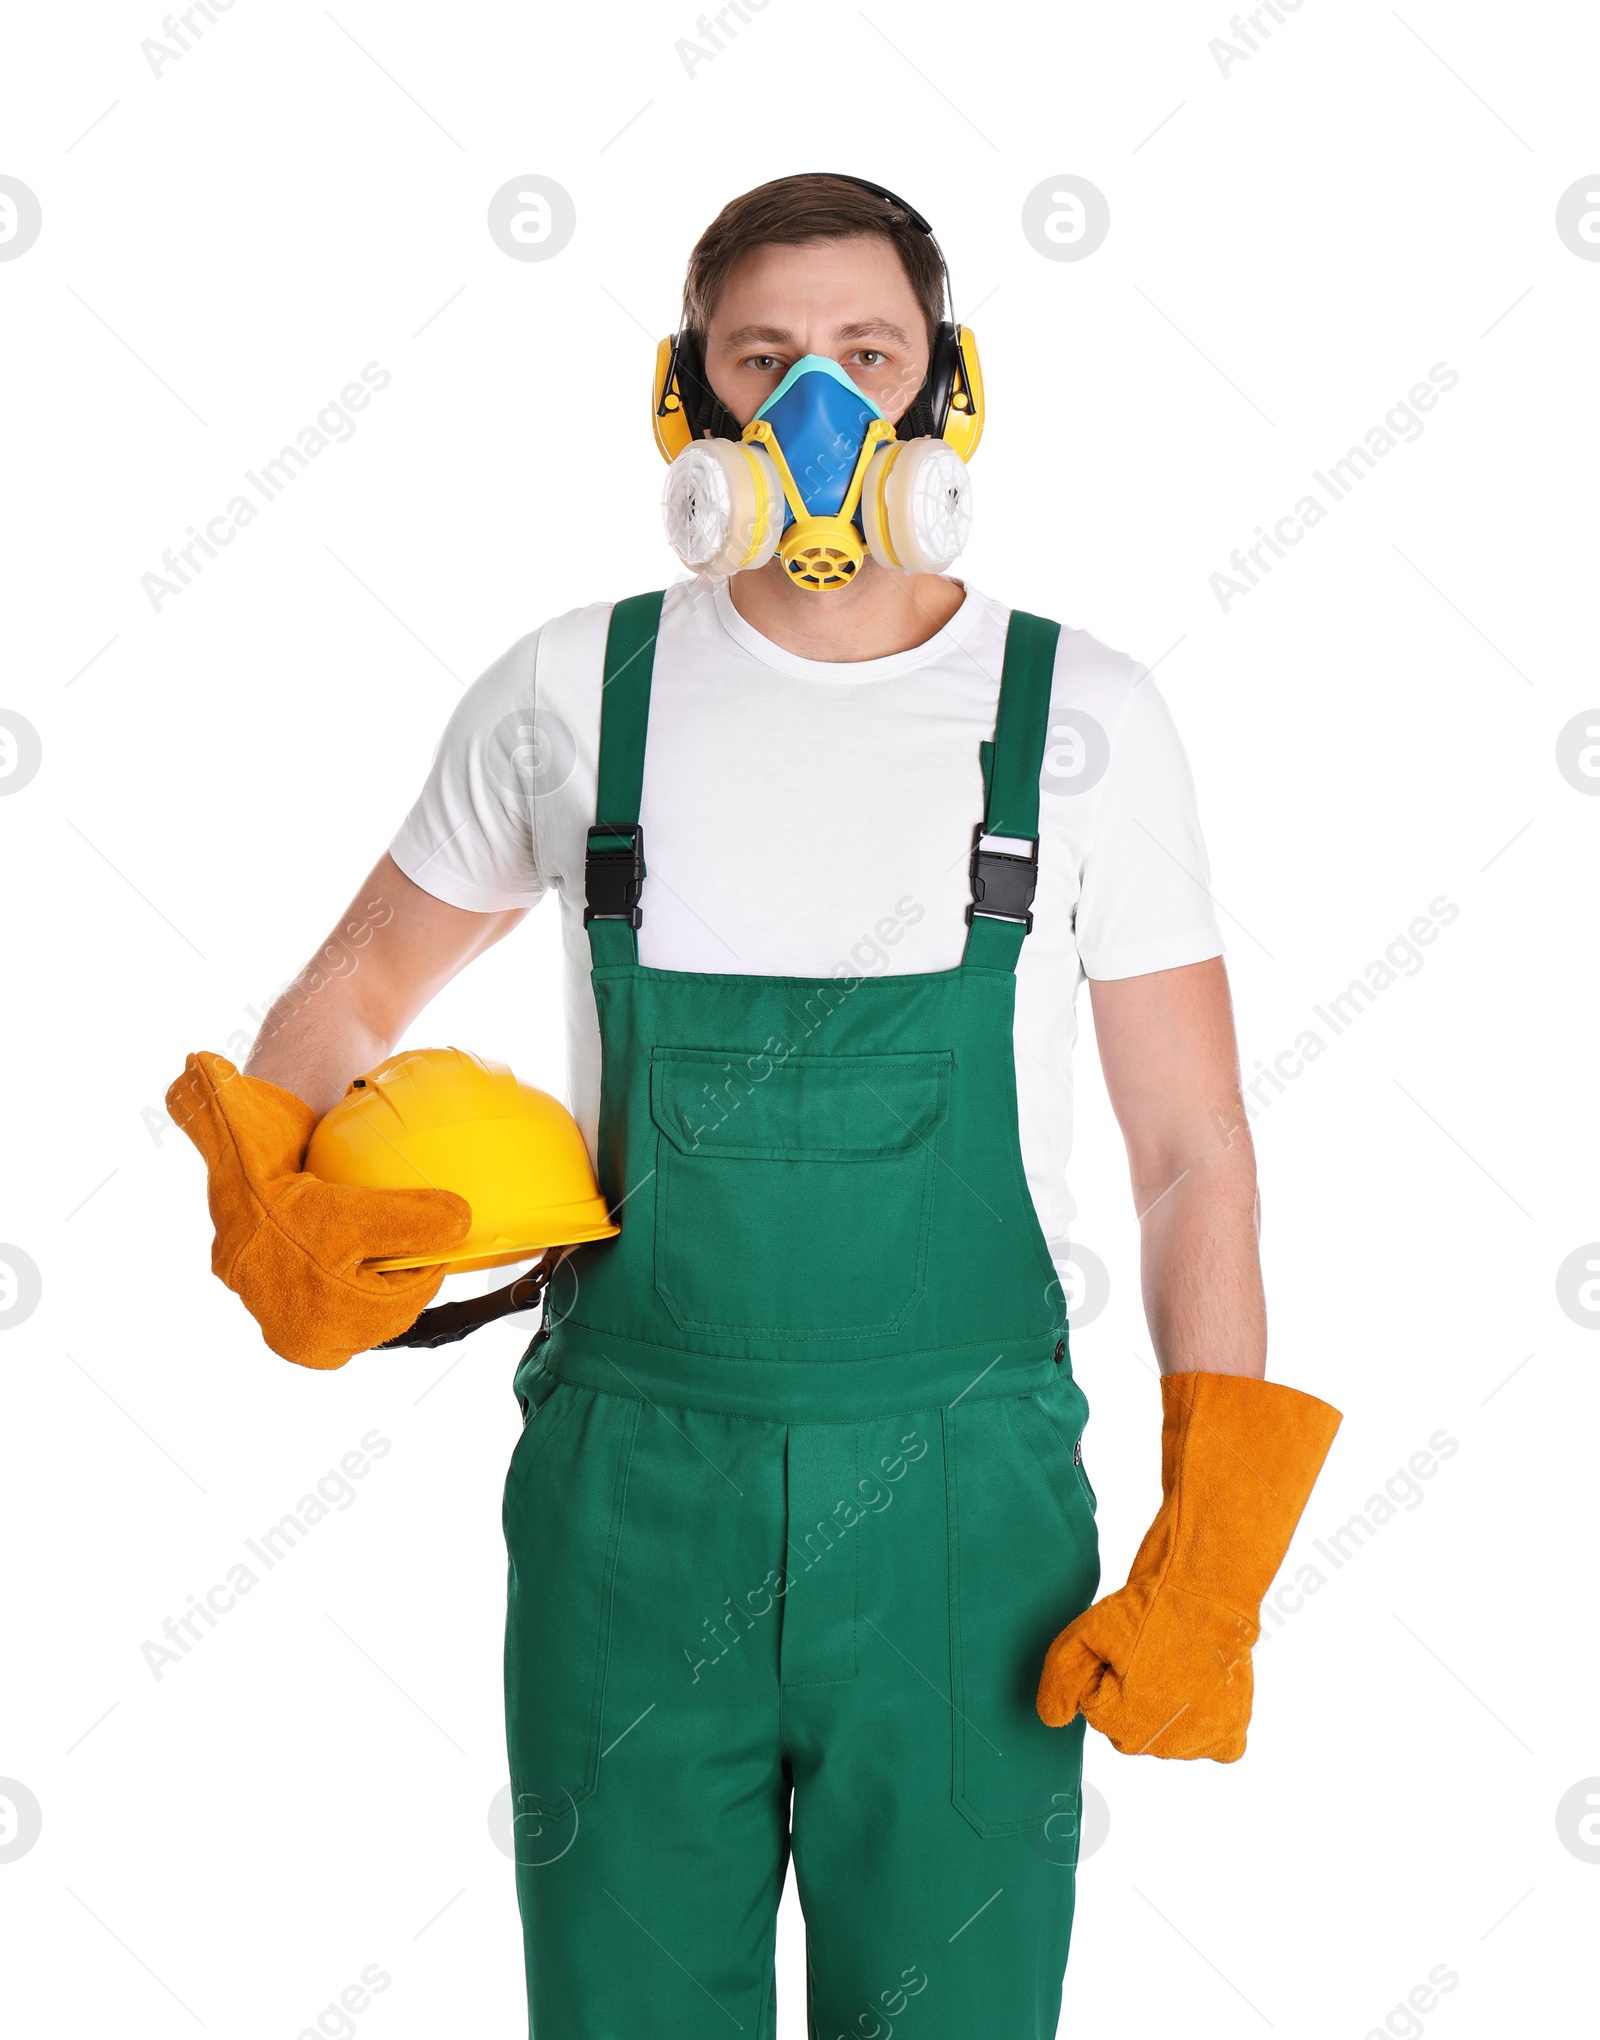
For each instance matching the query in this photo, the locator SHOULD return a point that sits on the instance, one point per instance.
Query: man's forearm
(314, 1039)
(1171, 1060)
(1200, 1261)
(394, 947)
(334, 1020)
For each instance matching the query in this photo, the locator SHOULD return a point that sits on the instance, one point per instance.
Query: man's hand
(1162, 1666)
(292, 1247)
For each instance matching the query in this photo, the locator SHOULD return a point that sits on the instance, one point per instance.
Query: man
(799, 1502)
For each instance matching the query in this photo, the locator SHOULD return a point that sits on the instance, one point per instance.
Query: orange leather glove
(292, 1247)
(1162, 1666)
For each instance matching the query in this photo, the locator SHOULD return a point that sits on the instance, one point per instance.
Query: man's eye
(765, 362)
(870, 357)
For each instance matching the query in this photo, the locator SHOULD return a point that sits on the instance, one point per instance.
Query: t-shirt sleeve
(1146, 897)
(469, 837)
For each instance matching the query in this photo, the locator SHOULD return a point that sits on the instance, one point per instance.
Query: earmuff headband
(923, 418)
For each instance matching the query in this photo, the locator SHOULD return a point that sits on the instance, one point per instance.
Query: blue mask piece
(820, 420)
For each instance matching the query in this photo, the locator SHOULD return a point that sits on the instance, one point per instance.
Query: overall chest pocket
(795, 1198)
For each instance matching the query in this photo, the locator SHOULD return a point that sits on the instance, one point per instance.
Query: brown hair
(814, 206)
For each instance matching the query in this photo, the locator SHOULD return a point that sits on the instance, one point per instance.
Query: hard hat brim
(477, 1252)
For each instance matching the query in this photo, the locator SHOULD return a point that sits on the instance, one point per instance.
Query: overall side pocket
(533, 1392)
(1024, 1561)
(564, 1530)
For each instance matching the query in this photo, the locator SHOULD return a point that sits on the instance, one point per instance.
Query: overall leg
(935, 1816)
(642, 1716)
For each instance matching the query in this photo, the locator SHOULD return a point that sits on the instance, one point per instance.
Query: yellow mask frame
(820, 552)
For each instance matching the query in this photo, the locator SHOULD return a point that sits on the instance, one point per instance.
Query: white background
(1372, 727)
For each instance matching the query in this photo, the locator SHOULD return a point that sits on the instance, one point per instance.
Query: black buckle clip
(613, 873)
(1003, 884)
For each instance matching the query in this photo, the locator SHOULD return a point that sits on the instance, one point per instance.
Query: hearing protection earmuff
(948, 406)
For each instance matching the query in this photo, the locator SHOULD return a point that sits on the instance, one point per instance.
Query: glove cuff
(1239, 1458)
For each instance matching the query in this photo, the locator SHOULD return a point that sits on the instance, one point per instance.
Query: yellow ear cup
(722, 506)
(963, 426)
(667, 421)
(441, 1119)
(916, 505)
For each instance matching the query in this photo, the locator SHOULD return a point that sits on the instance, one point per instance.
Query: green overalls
(798, 1504)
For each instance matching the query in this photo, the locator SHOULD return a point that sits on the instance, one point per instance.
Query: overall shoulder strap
(1005, 846)
(614, 868)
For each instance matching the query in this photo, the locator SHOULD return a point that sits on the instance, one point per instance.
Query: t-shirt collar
(956, 633)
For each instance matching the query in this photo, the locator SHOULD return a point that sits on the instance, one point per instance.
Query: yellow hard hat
(442, 1119)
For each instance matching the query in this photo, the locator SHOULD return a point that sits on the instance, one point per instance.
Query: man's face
(849, 300)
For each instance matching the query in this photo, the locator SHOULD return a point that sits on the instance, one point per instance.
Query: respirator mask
(819, 477)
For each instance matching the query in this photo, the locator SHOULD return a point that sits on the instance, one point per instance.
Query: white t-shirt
(808, 818)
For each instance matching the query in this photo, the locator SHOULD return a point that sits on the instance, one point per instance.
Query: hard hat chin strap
(446, 1322)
